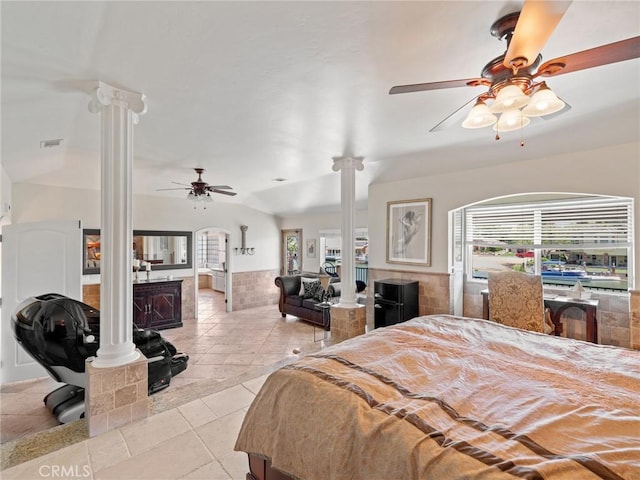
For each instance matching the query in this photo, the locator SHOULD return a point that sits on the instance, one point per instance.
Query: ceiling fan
(514, 88)
(201, 190)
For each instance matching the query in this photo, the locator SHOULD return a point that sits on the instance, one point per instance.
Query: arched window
(566, 238)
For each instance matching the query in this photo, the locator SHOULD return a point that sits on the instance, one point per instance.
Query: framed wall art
(311, 248)
(409, 232)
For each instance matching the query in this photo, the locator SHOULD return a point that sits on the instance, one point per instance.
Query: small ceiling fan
(512, 78)
(201, 190)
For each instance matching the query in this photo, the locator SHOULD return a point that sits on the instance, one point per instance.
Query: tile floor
(222, 346)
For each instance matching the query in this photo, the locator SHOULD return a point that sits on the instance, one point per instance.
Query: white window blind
(597, 223)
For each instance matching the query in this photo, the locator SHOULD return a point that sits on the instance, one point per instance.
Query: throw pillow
(319, 293)
(310, 288)
(334, 289)
(302, 282)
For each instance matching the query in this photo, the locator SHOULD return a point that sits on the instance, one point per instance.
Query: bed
(445, 397)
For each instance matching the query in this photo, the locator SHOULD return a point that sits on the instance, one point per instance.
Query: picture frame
(409, 232)
(311, 248)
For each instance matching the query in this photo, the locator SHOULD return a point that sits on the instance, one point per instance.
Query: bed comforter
(444, 397)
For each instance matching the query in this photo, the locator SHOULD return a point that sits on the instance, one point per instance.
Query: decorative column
(119, 110)
(348, 319)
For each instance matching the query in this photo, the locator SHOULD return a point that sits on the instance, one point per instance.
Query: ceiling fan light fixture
(479, 116)
(509, 97)
(543, 102)
(511, 120)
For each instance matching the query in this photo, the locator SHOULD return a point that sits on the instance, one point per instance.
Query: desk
(557, 305)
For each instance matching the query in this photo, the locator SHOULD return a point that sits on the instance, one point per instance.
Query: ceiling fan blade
(537, 21)
(164, 189)
(452, 119)
(422, 87)
(221, 187)
(178, 183)
(231, 194)
(594, 57)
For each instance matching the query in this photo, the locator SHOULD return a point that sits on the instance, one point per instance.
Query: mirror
(165, 250)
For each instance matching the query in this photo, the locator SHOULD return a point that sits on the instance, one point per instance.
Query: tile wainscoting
(433, 294)
(634, 321)
(254, 289)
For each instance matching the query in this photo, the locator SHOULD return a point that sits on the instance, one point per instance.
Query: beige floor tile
(212, 359)
(229, 400)
(255, 384)
(146, 434)
(171, 459)
(210, 471)
(236, 464)
(18, 426)
(197, 413)
(239, 359)
(224, 372)
(220, 435)
(107, 449)
(231, 348)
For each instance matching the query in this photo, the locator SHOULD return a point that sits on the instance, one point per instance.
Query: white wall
(5, 195)
(609, 171)
(39, 202)
(312, 224)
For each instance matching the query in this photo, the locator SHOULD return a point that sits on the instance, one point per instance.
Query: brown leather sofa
(292, 303)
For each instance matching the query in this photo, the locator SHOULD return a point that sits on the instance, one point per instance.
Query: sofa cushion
(295, 300)
(309, 303)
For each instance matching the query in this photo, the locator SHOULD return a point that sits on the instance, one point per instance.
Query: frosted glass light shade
(511, 120)
(508, 98)
(543, 102)
(479, 116)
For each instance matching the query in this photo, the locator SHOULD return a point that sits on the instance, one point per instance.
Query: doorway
(212, 282)
(291, 252)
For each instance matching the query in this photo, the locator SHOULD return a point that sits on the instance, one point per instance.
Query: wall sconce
(244, 250)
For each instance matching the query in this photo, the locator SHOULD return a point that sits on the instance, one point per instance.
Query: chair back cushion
(516, 300)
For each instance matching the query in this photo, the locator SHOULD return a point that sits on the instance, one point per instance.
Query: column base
(116, 396)
(347, 322)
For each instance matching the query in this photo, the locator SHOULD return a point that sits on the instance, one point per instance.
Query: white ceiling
(253, 91)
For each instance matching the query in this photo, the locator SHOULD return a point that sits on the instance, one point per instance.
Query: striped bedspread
(444, 397)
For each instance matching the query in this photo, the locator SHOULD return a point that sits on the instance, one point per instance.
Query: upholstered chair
(516, 300)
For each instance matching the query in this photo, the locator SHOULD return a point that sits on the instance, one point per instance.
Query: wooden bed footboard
(261, 469)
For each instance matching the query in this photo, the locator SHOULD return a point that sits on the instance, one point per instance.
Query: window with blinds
(595, 234)
(588, 223)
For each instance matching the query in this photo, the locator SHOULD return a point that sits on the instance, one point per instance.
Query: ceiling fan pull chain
(521, 127)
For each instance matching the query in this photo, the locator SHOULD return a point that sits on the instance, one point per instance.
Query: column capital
(340, 163)
(104, 95)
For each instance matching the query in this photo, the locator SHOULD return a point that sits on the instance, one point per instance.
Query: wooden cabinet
(157, 304)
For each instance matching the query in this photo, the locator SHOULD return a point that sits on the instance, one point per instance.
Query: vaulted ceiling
(254, 91)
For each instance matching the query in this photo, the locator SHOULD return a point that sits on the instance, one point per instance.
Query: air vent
(51, 143)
